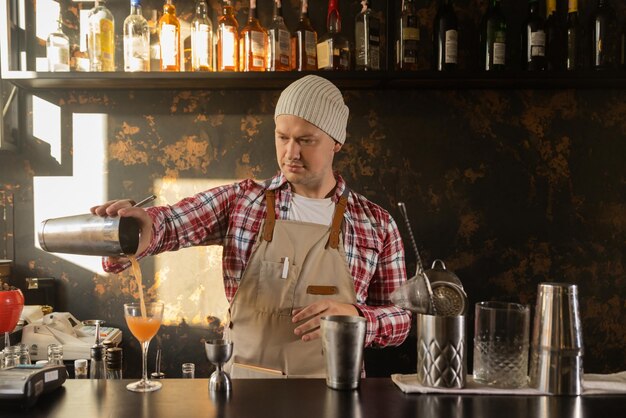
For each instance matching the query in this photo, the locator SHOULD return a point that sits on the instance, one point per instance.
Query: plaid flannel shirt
(231, 216)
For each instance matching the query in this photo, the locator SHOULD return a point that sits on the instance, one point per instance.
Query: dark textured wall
(509, 188)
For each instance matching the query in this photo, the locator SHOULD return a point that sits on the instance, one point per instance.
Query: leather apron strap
(335, 226)
(270, 216)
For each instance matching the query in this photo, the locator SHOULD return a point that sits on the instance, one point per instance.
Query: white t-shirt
(306, 209)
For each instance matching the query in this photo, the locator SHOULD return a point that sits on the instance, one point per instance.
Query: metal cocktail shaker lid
(90, 235)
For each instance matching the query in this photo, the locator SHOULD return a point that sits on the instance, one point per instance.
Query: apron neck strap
(335, 226)
(270, 216)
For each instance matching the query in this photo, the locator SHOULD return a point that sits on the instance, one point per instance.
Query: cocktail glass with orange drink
(144, 324)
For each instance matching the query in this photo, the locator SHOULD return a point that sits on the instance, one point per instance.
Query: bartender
(297, 247)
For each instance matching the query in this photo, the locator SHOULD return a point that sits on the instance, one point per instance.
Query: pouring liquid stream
(135, 264)
(137, 273)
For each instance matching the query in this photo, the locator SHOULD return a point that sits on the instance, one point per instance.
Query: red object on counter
(11, 305)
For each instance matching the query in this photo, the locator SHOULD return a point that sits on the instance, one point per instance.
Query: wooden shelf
(345, 80)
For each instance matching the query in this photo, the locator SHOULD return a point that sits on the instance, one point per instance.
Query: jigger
(218, 352)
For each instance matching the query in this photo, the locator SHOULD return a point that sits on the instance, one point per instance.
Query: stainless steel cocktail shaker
(556, 363)
(90, 235)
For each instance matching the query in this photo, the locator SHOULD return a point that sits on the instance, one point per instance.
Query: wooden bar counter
(300, 398)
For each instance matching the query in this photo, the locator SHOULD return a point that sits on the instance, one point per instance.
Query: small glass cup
(55, 354)
(189, 370)
(24, 354)
(501, 344)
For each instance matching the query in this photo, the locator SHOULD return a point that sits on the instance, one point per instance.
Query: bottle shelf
(358, 80)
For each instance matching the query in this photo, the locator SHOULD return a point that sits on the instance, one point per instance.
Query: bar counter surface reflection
(276, 398)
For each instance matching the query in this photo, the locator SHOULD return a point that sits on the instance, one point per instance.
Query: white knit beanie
(319, 102)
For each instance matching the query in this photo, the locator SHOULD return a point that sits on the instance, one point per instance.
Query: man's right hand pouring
(125, 208)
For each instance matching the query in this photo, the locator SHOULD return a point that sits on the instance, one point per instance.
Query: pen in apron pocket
(285, 267)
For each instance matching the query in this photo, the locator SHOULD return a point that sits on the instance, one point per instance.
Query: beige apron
(260, 313)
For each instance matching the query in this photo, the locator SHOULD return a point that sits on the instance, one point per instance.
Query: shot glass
(501, 337)
(189, 370)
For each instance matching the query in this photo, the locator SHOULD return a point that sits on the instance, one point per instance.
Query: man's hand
(125, 208)
(313, 313)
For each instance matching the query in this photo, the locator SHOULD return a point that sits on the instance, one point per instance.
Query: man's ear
(337, 147)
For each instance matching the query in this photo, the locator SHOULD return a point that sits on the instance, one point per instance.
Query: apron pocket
(275, 293)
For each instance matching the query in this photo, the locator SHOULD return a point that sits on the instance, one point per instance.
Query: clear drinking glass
(144, 326)
(189, 370)
(501, 344)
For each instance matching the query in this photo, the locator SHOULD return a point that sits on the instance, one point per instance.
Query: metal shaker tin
(89, 234)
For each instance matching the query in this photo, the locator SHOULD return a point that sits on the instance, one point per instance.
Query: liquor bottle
(603, 35)
(573, 32)
(493, 38)
(227, 40)
(367, 39)
(201, 39)
(169, 38)
(333, 50)
(58, 49)
(101, 36)
(445, 37)
(155, 42)
(554, 46)
(408, 37)
(533, 39)
(136, 40)
(186, 55)
(279, 41)
(305, 40)
(253, 43)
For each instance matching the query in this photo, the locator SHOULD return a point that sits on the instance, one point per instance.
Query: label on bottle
(360, 44)
(411, 30)
(499, 53)
(228, 46)
(136, 51)
(410, 34)
(169, 48)
(58, 58)
(324, 55)
(538, 44)
(310, 47)
(257, 46)
(107, 45)
(283, 46)
(375, 58)
(200, 46)
(452, 46)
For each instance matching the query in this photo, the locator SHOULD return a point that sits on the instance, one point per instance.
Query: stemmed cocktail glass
(144, 326)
